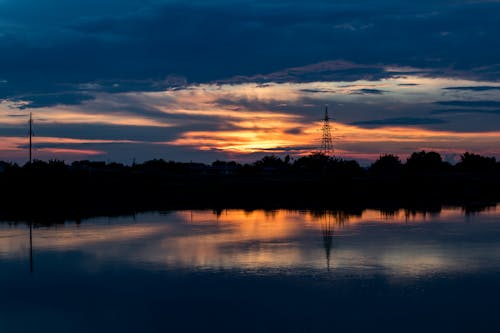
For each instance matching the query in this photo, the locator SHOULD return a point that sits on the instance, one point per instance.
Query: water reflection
(398, 243)
(31, 247)
(274, 271)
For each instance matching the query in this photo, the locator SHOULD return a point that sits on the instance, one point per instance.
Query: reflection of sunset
(257, 240)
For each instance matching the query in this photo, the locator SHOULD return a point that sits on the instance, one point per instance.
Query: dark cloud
(366, 91)
(323, 71)
(399, 121)
(474, 88)
(107, 132)
(256, 105)
(476, 104)
(317, 91)
(46, 100)
(466, 111)
(13, 130)
(297, 130)
(43, 46)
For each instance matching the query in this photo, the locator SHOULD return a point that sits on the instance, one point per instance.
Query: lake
(255, 271)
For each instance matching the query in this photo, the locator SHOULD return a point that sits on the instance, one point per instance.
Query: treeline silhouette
(87, 188)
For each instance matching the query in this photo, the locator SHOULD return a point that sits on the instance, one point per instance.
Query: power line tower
(326, 139)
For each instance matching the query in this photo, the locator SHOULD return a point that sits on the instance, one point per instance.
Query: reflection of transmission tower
(31, 247)
(326, 139)
(328, 221)
(327, 232)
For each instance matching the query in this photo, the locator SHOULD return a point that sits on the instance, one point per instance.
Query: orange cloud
(251, 139)
(249, 118)
(69, 151)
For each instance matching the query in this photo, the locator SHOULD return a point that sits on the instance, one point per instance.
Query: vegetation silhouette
(55, 190)
(387, 165)
(474, 163)
(426, 162)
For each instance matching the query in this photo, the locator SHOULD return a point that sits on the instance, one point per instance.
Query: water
(254, 271)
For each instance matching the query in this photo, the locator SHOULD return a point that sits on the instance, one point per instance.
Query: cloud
(296, 130)
(474, 88)
(478, 104)
(366, 91)
(45, 46)
(466, 111)
(317, 91)
(247, 119)
(46, 100)
(99, 132)
(399, 121)
(323, 71)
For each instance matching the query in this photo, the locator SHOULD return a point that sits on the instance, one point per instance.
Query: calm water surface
(254, 271)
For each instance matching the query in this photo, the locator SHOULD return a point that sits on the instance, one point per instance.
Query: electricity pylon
(326, 139)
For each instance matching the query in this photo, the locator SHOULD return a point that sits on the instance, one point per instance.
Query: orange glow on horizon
(67, 151)
(255, 139)
(243, 119)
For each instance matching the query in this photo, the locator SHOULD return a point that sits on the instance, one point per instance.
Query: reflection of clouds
(279, 117)
(401, 244)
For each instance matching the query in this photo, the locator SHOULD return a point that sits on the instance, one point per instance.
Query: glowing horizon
(244, 121)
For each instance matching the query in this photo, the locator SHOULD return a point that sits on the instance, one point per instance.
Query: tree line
(315, 181)
(422, 162)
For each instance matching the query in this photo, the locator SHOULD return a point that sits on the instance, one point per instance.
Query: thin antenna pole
(31, 135)
(30, 161)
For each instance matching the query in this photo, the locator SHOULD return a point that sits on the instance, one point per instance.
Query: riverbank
(73, 194)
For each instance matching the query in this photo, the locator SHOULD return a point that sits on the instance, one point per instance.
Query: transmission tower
(326, 139)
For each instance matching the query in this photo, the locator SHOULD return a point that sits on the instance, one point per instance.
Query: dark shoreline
(54, 192)
(58, 202)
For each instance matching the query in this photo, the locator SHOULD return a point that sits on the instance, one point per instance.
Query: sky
(125, 80)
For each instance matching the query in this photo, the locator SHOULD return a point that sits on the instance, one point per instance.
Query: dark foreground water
(237, 271)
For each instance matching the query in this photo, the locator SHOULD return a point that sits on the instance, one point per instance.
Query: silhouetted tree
(271, 161)
(426, 162)
(287, 159)
(345, 168)
(386, 165)
(7, 167)
(470, 162)
(313, 162)
(86, 164)
(116, 166)
(230, 164)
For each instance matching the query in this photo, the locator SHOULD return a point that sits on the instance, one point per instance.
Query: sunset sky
(119, 80)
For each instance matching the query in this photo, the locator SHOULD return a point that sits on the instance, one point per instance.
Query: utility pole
(326, 139)
(30, 161)
(31, 135)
